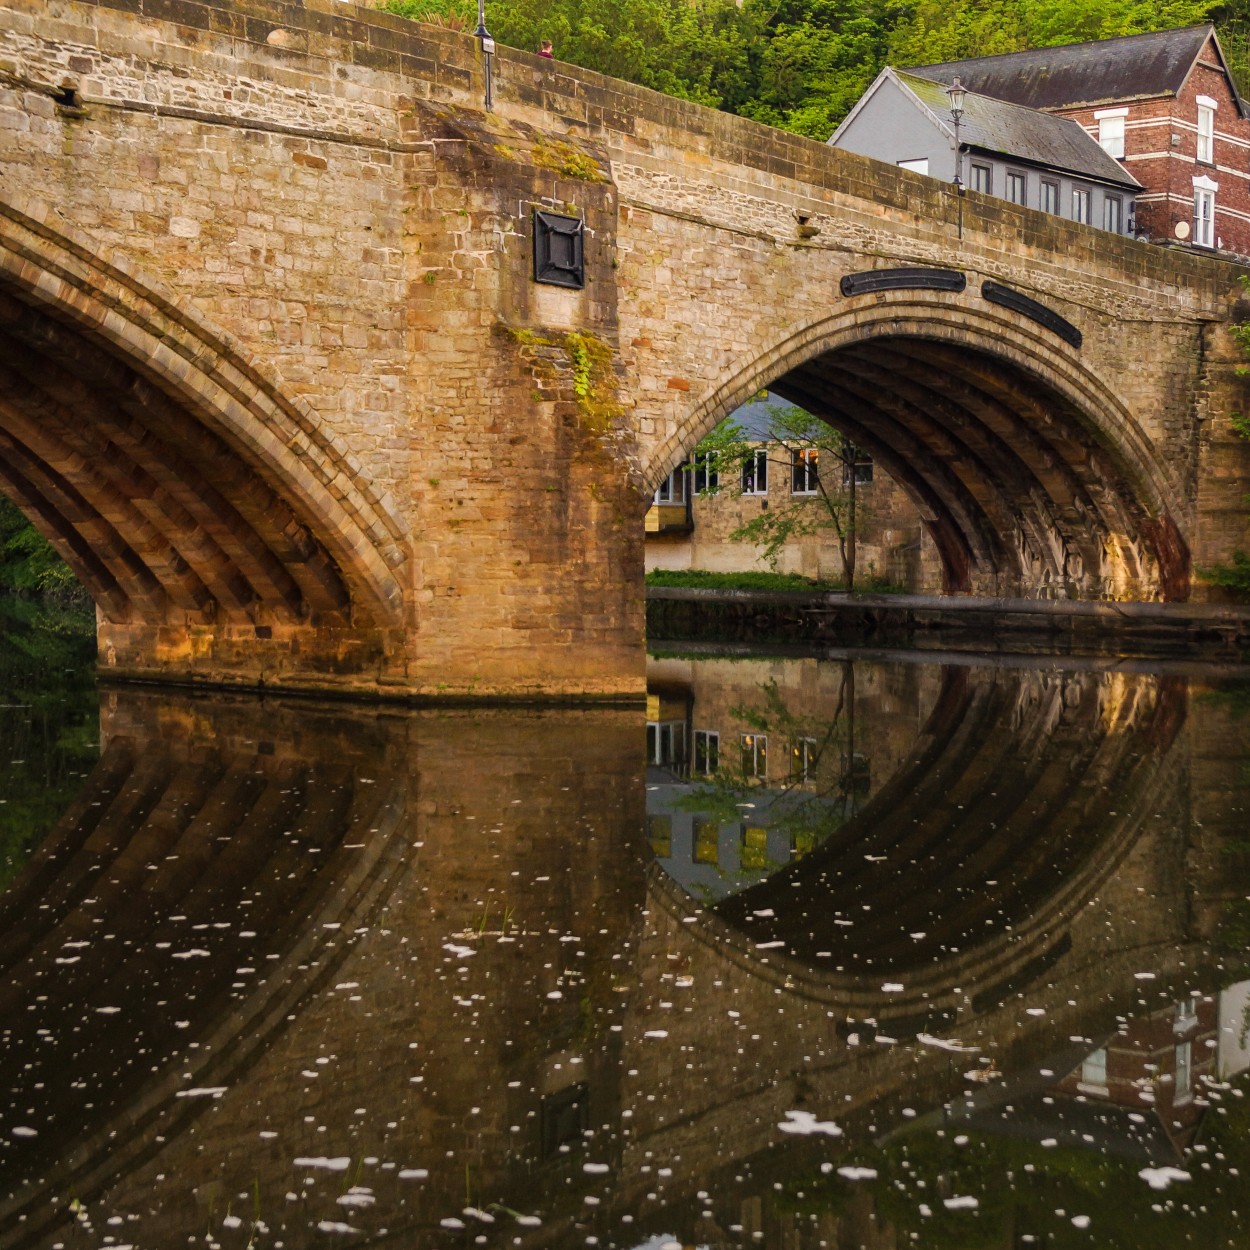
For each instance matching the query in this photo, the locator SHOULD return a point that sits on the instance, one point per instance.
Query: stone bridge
(278, 380)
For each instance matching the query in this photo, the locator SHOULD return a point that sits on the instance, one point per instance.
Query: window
(1094, 1070)
(803, 756)
(660, 834)
(1080, 204)
(755, 473)
(1017, 186)
(1204, 217)
(753, 853)
(754, 755)
(705, 475)
(666, 742)
(706, 751)
(1113, 214)
(918, 166)
(1050, 196)
(1206, 132)
(856, 466)
(1184, 1056)
(673, 488)
(982, 178)
(706, 841)
(803, 471)
(1111, 131)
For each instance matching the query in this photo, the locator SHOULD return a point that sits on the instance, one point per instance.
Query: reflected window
(666, 742)
(754, 850)
(1094, 1069)
(802, 759)
(755, 473)
(803, 471)
(660, 835)
(706, 842)
(1184, 1057)
(801, 842)
(565, 1117)
(755, 755)
(706, 752)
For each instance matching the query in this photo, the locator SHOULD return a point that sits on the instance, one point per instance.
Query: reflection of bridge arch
(973, 860)
(191, 830)
(1030, 473)
(178, 482)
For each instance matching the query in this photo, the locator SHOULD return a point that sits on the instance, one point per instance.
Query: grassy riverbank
(700, 579)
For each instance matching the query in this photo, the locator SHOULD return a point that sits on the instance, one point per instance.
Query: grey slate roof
(1134, 67)
(1020, 133)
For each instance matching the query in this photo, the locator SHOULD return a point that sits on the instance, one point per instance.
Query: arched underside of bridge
(179, 485)
(1030, 475)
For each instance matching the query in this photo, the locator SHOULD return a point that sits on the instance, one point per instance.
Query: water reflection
(915, 955)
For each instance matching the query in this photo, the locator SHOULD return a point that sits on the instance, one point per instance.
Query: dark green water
(864, 951)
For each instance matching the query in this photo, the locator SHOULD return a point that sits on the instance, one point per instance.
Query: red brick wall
(1166, 168)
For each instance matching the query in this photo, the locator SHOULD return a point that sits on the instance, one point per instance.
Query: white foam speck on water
(858, 1174)
(412, 1174)
(335, 1226)
(594, 1168)
(805, 1124)
(656, 1033)
(927, 1039)
(194, 953)
(961, 1202)
(23, 1130)
(203, 1091)
(339, 1163)
(1161, 1178)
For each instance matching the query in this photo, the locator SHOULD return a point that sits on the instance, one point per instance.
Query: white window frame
(1204, 150)
(804, 467)
(755, 467)
(755, 753)
(983, 173)
(1113, 206)
(1111, 124)
(673, 488)
(706, 746)
(1054, 189)
(701, 467)
(804, 752)
(1021, 180)
(1082, 205)
(1204, 211)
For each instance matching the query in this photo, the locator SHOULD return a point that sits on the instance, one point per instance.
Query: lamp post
(482, 35)
(955, 94)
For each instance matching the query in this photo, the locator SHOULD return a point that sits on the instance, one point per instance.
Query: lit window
(754, 755)
(982, 178)
(1050, 196)
(1111, 134)
(754, 849)
(1113, 214)
(706, 841)
(706, 752)
(1017, 186)
(1080, 205)
(803, 755)
(755, 473)
(1094, 1069)
(803, 471)
(1206, 133)
(1204, 217)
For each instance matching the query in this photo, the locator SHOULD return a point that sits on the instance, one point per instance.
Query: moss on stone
(564, 158)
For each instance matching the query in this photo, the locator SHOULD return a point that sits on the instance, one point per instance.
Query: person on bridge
(546, 51)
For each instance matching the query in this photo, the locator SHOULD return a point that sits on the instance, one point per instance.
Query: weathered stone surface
(275, 376)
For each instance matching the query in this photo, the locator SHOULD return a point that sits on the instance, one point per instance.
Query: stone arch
(168, 467)
(1032, 476)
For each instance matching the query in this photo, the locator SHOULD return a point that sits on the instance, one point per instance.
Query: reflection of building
(687, 528)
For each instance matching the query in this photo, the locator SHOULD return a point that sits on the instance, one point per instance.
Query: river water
(865, 950)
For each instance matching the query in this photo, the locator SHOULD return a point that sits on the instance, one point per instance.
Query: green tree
(800, 446)
(29, 565)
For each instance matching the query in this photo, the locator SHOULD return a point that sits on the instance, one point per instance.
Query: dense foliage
(30, 566)
(801, 64)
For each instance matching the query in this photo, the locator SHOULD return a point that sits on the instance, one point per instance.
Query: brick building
(1164, 104)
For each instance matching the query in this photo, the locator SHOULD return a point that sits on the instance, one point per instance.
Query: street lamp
(482, 35)
(955, 94)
